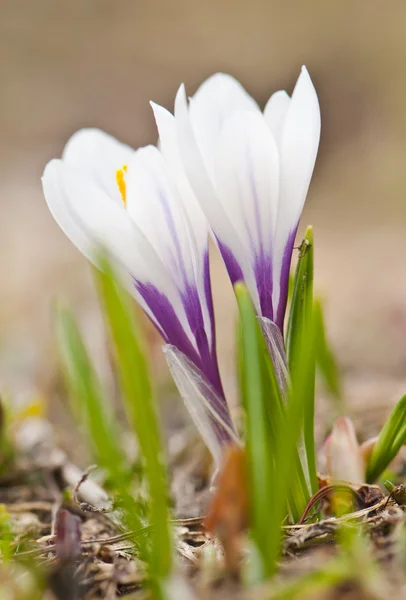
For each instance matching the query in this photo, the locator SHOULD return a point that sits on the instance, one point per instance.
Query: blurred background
(67, 65)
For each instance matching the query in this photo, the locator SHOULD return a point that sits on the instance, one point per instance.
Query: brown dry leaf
(228, 512)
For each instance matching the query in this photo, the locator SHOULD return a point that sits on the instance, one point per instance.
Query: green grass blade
(300, 316)
(390, 440)
(302, 377)
(323, 578)
(298, 493)
(325, 358)
(141, 412)
(275, 407)
(89, 403)
(91, 410)
(251, 362)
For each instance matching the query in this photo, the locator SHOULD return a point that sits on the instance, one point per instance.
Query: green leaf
(7, 536)
(141, 412)
(302, 377)
(258, 434)
(314, 583)
(93, 413)
(272, 430)
(89, 404)
(298, 494)
(389, 442)
(301, 320)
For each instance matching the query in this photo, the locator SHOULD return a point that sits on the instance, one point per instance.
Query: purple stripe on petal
(172, 228)
(174, 334)
(263, 277)
(193, 309)
(208, 359)
(164, 313)
(232, 266)
(205, 359)
(215, 375)
(209, 298)
(284, 279)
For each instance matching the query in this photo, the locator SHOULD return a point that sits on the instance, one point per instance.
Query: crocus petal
(233, 252)
(169, 148)
(207, 409)
(251, 182)
(153, 202)
(156, 263)
(87, 215)
(276, 348)
(275, 113)
(247, 182)
(55, 196)
(298, 149)
(215, 101)
(299, 145)
(92, 220)
(143, 217)
(98, 155)
(247, 179)
(171, 317)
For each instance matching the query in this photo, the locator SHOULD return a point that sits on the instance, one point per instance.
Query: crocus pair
(221, 166)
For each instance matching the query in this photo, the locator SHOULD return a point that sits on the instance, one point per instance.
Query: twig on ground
(86, 506)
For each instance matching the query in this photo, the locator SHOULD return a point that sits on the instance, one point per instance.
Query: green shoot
(138, 399)
(89, 402)
(91, 410)
(300, 320)
(6, 445)
(298, 402)
(389, 442)
(322, 579)
(272, 435)
(6, 535)
(265, 530)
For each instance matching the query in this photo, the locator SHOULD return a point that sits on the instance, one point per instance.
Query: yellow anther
(121, 183)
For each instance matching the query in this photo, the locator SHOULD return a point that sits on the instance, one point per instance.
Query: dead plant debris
(82, 549)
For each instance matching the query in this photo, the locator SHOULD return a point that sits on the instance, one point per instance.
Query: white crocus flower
(250, 171)
(143, 212)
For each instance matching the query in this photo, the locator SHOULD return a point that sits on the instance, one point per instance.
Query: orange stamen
(121, 183)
